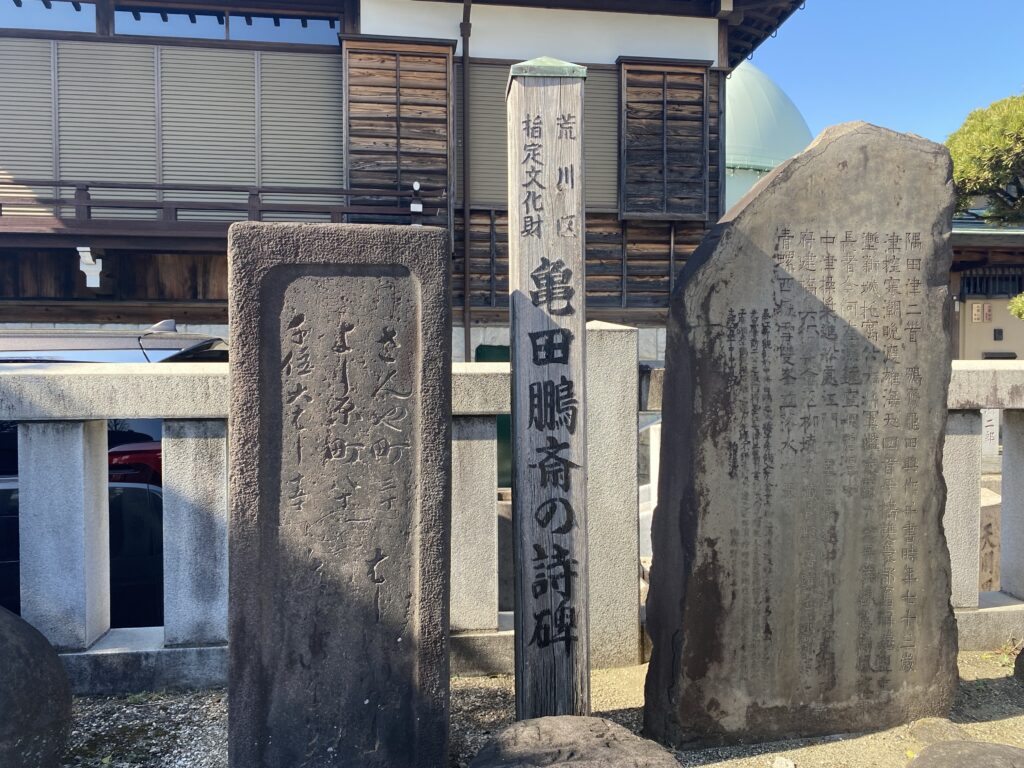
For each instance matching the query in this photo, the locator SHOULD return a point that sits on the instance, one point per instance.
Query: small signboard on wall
(988, 313)
(975, 312)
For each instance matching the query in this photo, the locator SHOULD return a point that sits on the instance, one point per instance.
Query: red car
(135, 463)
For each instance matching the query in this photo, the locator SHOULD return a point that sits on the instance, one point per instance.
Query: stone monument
(801, 579)
(339, 495)
(35, 697)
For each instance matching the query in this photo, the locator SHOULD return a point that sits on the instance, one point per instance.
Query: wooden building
(138, 149)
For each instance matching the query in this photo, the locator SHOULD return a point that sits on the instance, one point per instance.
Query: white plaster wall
(585, 37)
(977, 338)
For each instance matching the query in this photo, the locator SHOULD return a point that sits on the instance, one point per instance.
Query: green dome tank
(763, 128)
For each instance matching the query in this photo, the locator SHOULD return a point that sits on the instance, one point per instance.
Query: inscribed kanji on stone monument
(801, 578)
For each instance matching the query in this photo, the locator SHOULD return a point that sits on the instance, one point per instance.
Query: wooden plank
(398, 119)
(548, 334)
(666, 135)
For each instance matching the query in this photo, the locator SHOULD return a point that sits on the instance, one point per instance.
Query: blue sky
(911, 65)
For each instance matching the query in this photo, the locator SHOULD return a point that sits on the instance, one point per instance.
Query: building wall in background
(978, 326)
(169, 114)
(582, 37)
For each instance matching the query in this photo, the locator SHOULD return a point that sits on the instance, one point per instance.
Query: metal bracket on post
(90, 266)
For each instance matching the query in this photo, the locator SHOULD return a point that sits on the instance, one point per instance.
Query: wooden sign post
(549, 481)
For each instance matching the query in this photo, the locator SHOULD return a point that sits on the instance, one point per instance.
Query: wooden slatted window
(663, 155)
(398, 120)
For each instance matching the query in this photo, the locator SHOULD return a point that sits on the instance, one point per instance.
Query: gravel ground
(188, 730)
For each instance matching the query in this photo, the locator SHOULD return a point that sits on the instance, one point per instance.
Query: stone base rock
(931, 730)
(580, 742)
(957, 754)
(35, 697)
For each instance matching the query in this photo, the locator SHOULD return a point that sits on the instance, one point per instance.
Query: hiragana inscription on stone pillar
(547, 287)
(339, 511)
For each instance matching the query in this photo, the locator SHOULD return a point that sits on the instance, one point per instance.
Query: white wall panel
(583, 37)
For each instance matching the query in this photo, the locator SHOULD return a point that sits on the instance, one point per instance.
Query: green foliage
(1017, 306)
(988, 159)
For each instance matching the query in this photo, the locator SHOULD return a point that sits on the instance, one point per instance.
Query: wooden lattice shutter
(398, 120)
(664, 162)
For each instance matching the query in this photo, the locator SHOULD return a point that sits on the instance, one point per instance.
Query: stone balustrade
(61, 411)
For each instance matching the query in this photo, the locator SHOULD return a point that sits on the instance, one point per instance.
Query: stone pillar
(654, 461)
(474, 598)
(612, 533)
(1011, 559)
(64, 530)
(195, 532)
(340, 496)
(961, 467)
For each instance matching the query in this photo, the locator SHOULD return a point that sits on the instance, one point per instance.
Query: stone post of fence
(64, 530)
(474, 597)
(961, 467)
(1011, 560)
(612, 504)
(195, 532)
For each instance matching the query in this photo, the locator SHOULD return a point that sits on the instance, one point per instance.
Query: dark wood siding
(630, 265)
(398, 121)
(665, 142)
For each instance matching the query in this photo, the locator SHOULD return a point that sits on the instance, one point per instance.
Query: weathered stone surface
(957, 754)
(581, 742)
(961, 467)
(801, 579)
(194, 469)
(474, 546)
(930, 730)
(339, 496)
(35, 698)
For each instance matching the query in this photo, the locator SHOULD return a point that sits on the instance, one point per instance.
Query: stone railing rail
(973, 385)
(61, 411)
